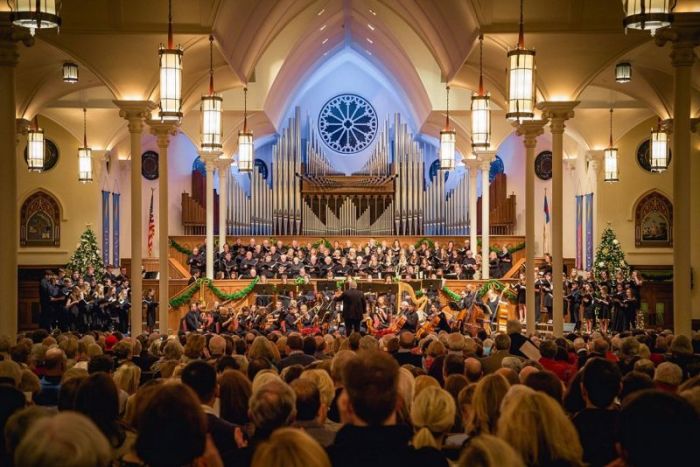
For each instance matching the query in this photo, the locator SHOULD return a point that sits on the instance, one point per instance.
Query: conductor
(354, 306)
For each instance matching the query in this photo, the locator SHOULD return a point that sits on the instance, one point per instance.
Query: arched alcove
(653, 221)
(40, 221)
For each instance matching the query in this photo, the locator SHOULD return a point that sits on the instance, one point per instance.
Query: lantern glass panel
(211, 122)
(170, 84)
(610, 165)
(245, 151)
(521, 84)
(481, 121)
(448, 139)
(35, 150)
(84, 165)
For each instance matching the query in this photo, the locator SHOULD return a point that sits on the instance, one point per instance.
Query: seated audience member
(681, 353)
(17, 426)
(562, 369)
(645, 366)
(295, 353)
(538, 429)
(486, 404)
(519, 344)
(98, 399)
(668, 376)
(370, 436)
(472, 369)
(201, 378)
(311, 412)
(546, 382)
(502, 350)
(629, 354)
(632, 383)
(54, 367)
(68, 439)
(596, 423)
(10, 373)
(234, 392)
(11, 401)
(171, 426)
(405, 354)
(489, 451)
(432, 415)
(657, 428)
(272, 406)
(509, 374)
(289, 447)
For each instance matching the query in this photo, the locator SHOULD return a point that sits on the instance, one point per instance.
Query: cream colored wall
(79, 203)
(616, 201)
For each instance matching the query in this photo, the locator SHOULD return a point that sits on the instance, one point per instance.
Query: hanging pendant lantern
(448, 140)
(85, 156)
(36, 14)
(245, 140)
(481, 109)
(70, 73)
(659, 149)
(211, 110)
(521, 78)
(35, 148)
(610, 158)
(623, 72)
(170, 63)
(647, 15)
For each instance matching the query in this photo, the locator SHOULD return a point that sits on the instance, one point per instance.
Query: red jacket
(562, 369)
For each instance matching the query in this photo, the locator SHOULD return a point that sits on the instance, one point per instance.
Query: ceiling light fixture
(610, 157)
(481, 108)
(35, 14)
(170, 75)
(448, 139)
(85, 155)
(659, 149)
(245, 140)
(35, 147)
(623, 72)
(211, 110)
(521, 78)
(70, 73)
(647, 15)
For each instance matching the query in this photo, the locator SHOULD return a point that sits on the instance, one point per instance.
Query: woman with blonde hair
(433, 414)
(486, 404)
(537, 428)
(261, 347)
(290, 447)
(128, 377)
(489, 451)
(423, 382)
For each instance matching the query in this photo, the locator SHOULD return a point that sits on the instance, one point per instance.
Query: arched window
(40, 221)
(653, 221)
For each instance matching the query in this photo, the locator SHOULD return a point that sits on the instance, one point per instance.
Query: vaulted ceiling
(272, 45)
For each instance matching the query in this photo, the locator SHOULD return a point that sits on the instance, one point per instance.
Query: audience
(244, 400)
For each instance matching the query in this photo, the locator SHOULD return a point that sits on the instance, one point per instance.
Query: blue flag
(546, 210)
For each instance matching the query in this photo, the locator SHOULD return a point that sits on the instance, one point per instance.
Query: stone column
(557, 113)
(224, 166)
(210, 160)
(530, 130)
(485, 158)
(695, 221)
(9, 225)
(135, 112)
(163, 131)
(684, 35)
(473, 165)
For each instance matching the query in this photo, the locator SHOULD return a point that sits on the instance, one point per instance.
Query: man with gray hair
(455, 343)
(668, 377)
(354, 306)
(271, 407)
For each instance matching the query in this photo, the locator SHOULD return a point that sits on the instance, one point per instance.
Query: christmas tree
(609, 256)
(87, 254)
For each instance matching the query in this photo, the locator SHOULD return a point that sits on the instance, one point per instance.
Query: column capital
(9, 37)
(163, 131)
(485, 158)
(210, 158)
(135, 112)
(684, 35)
(667, 126)
(558, 112)
(224, 164)
(530, 130)
(22, 126)
(472, 163)
(694, 124)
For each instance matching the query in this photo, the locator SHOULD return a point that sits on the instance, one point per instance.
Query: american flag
(151, 226)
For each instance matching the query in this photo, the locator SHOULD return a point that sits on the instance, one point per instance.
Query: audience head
(234, 392)
(600, 383)
(272, 406)
(98, 399)
(171, 427)
(67, 439)
(472, 369)
(486, 403)
(634, 382)
(308, 400)
(502, 342)
(547, 383)
(538, 429)
(668, 376)
(433, 414)
(290, 447)
(19, 423)
(201, 378)
(489, 451)
(656, 428)
(370, 383)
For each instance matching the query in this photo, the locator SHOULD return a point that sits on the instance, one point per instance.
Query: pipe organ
(306, 195)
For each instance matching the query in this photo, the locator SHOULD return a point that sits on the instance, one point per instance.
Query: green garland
(450, 293)
(322, 241)
(430, 242)
(496, 249)
(498, 286)
(186, 295)
(299, 280)
(180, 248)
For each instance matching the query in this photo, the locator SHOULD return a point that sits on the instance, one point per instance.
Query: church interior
(426, 232)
